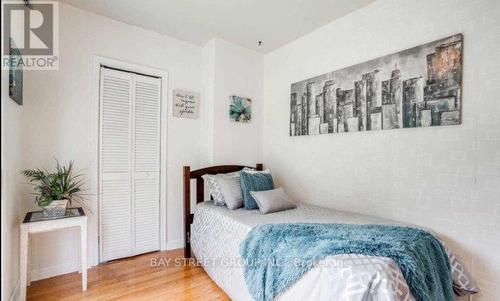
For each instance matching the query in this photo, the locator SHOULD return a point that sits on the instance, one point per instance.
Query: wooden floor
(133, 279)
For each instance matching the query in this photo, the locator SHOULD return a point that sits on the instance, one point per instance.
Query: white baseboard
(53, 270)
(14, 295)
(175, 244)
(70, 267)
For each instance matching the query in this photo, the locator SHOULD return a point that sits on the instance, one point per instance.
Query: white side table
(35, 223)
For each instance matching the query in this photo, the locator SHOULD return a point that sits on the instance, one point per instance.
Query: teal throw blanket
(277, 255)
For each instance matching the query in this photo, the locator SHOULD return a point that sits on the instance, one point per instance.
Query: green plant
(58, 185)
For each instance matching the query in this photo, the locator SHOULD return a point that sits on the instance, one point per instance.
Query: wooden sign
(186, 104)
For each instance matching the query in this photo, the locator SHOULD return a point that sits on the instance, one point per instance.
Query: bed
(214, 234)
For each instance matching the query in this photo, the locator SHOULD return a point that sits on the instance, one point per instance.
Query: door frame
(94, 223)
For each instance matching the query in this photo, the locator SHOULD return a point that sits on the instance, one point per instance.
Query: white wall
(12, 204)
(445, 178)
(207, 103)
(58, 118)
(230, 69)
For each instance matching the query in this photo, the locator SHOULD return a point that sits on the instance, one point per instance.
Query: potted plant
(54, 190)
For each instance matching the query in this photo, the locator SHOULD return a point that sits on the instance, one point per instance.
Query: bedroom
(204, 56)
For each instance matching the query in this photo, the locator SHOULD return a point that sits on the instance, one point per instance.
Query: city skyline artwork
(417, 87)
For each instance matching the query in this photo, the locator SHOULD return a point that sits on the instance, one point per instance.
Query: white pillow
(214, 189)
(272, 200)
(231, 190)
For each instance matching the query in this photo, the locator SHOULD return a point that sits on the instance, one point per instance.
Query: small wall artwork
(240, 109)
(417, 87)
(186, 104)
(15, 76)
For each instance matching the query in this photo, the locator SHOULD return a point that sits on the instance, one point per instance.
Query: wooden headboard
(197, 174)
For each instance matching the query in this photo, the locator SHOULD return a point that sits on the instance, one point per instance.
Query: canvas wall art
(418, 87)
(15, 75)
(240, 109)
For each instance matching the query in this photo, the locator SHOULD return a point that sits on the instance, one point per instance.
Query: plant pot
(56, 208)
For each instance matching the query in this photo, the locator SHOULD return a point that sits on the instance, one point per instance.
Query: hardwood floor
(133, 278)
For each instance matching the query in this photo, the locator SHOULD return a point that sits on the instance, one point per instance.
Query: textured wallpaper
(443, 178)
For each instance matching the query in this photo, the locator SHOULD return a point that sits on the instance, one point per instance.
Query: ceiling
(244, 22)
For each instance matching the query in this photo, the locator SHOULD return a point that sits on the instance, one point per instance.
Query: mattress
(217, 232)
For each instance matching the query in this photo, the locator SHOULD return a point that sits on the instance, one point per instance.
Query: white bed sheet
(217, 232)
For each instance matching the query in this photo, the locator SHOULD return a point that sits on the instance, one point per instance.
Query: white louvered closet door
(129, 164)
(146, 164)
(115, 165)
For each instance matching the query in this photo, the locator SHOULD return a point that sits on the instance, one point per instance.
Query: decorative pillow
(254, 181)
(231, 190)
(214, 189)
(270, 201)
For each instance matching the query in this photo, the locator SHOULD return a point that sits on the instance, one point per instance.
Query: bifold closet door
(146, 164)
(115, 204)
(129, 164)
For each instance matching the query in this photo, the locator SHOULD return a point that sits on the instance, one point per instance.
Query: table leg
(28, 276)
(83, 236)
(23, 258)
